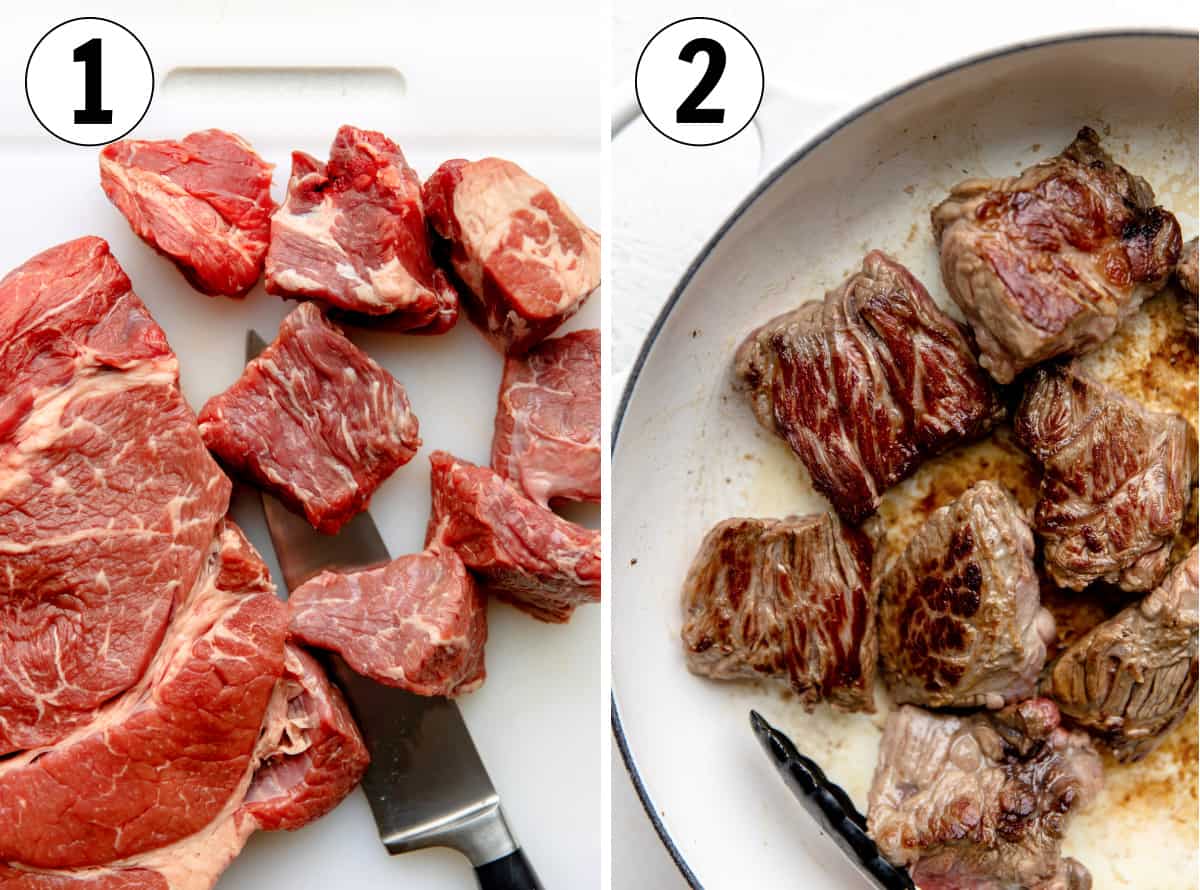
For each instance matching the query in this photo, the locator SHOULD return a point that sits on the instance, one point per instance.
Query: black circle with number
(676, 77)
(86, 106)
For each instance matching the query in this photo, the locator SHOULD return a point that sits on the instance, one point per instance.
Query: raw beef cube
(1116, 479)
(982, 801)
(524, 260)
(785, 598)
(352, 234)
(164, 759)
(313, 420)
(867, 384)
(419, 622)
(204, 202)
(108, 498)
(547, 437)
(522, 552)
(960, 617)
(1130, 679)
(1050, 262)
(316, 755)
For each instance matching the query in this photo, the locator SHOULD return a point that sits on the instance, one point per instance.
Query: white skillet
(688, 453)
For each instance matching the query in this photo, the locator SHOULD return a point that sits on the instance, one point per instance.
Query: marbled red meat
(524, 260)
(419, 622)
(351, 233)
(204, 202)
(547, 434)
(521, 551)
(313, 420)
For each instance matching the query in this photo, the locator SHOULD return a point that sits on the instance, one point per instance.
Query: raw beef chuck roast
(982, 801)
(525, 262)
(867, 384)
(204, 202)
(521, 551)
(1133, 677)
(1049, 262)
(108, 498)
(313, 420)
(960, 621)
(1116, 479)
(419, 622)
(352, 234)
(547, 437)
(149, 713)
(785, 598)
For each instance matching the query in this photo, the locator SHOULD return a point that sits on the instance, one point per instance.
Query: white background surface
(668, 199)
(472, 80)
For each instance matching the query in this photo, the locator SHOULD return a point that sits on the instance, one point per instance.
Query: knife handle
(511, 872)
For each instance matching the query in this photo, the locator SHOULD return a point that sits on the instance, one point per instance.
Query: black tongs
(830, 806)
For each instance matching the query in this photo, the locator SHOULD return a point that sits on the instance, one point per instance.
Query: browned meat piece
(960, 621)
(982, 801)
(1186, 272)
(867, 384)
(1132, 678)
(1049, 262)
(785, 598)
(1116, 479)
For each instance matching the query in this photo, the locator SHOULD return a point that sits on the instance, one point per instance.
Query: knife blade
(426, 784)
(830, 806)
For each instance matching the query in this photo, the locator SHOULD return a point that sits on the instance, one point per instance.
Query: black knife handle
(829, 804)
(511, 872)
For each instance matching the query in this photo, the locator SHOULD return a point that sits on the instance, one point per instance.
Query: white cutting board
(525, 86)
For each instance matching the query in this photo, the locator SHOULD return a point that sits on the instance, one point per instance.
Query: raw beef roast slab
(108, 498)
(525, 262)
(204, 202)
(151, 715)
(352, 234)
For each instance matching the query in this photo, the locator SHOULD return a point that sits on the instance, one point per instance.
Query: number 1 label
(90, 54)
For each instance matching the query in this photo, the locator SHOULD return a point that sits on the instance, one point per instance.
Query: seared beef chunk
(1186, 272)
(981, 801)
(1132, 678)
(960, 624)
(1049, 262)
(787, 598)
(1116, 479)
(867, 384)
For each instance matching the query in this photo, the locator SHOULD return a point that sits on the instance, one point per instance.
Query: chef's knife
(426, 783)
(830, 806)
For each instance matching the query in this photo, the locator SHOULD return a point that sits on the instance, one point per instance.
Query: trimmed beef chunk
(524, 261)
(1049, 262)
(1116, 479)
(1133, 677)
(1186, 274)
(867, 384)
(521, 551)
(960, 620)
(351, 233)
(982, 801)
(788, 599)
(203, 202)
(419, 622)
(313, 420)
(547, 437)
